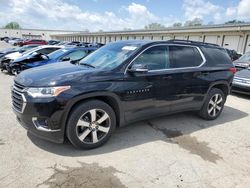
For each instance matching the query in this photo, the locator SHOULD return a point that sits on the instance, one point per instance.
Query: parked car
(73, 55)
(13, 52)
(120, 83)
(15, 41)
(6, 51)
(4, 38)
(12, 40)
(233, 54)
(33, 41)
(45, 49)
(243, 62)
(241, 82)
(53, 42)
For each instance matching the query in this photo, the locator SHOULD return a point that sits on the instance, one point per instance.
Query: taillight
(233, 70)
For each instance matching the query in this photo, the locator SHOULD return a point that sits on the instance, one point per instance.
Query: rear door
(187, 77)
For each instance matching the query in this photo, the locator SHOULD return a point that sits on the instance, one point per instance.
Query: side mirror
(66, 59)
(138, 68)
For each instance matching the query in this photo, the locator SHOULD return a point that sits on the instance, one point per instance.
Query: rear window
(217, 56)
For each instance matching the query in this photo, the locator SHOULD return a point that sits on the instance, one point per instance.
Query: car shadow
(144, 132)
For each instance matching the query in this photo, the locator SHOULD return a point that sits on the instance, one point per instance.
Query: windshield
(245, 57)
(31, 50)
(56, 54)
(110, 56)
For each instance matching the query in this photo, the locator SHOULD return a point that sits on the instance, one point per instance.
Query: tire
(212, 109)
(83, 129)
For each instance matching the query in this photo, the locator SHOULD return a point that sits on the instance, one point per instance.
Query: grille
(18, 99)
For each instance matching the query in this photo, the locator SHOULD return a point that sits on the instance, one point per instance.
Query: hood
(13, 55)
(24, 57)
(56, 74)
(243, 74)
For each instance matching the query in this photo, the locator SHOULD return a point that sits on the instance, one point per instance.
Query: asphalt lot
(180, 150)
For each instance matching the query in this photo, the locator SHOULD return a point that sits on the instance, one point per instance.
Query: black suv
(120, 83)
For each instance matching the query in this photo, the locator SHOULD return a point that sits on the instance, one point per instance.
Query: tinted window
(76, 55)
(216, 56)
(155, 58)
(184, 56)
(47, 50)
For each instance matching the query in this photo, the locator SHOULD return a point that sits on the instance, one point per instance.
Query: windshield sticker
(129, 48)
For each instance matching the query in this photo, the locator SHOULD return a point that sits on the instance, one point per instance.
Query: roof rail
(192, 42)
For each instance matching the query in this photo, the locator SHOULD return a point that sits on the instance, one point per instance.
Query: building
(235, 36)
(32, 33)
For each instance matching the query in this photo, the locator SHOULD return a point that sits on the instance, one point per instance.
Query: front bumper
(53, 136)
(41, 117)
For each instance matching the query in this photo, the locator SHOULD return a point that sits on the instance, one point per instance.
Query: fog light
(41, 124)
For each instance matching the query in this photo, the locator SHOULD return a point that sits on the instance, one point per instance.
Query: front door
(148, 92)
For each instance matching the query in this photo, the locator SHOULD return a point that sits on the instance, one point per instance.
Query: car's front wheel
(91, 124)
(213, 105)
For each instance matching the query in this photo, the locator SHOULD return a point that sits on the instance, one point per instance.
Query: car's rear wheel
(91, 124)
(213, 105)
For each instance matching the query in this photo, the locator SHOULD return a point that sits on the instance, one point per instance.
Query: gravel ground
(180, 150)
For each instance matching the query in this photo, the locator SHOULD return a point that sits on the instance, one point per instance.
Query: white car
(40, 49)
(14, 41)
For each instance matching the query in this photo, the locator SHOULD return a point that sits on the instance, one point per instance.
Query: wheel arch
(222, 85)
(109, 98)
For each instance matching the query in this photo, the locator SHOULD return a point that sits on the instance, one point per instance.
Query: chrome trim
(40, 128)
(201, 53)
(24, 101)
(240, 78)
(235, 83)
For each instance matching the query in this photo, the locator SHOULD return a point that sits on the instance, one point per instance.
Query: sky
(110, 15)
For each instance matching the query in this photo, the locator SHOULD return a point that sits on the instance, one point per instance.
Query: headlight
(46, 92)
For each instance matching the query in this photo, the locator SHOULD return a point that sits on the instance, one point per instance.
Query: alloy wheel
(215, 105)
(93, 126)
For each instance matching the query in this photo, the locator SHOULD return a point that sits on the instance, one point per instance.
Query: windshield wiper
(85, 64)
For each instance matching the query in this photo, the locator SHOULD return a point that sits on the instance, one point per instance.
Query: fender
(93, 95)
(221, 82)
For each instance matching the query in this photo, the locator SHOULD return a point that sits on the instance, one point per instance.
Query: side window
(184, 56)
(154, 58)
(76, 55)
(217, 56)
(47, 50)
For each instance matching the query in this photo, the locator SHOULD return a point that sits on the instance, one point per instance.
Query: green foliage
(12, 25)
(154, 26)
(178, 24)
(194, 22)
(234, 22)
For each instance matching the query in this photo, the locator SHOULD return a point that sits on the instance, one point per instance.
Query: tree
(210, 23)
(126, 29)
(178, 24)
(234, 22)
(12, 25)
(154, 26)
(194, 22)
